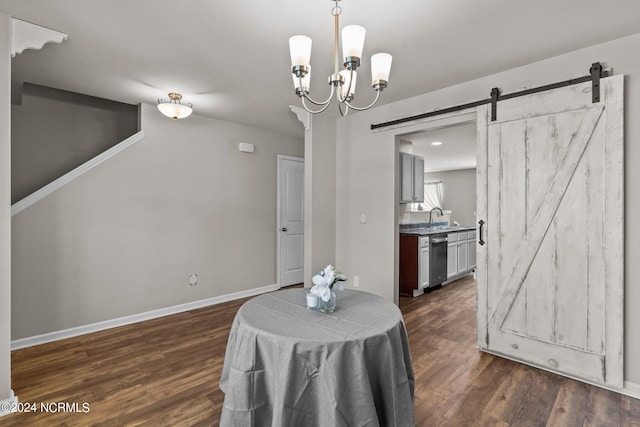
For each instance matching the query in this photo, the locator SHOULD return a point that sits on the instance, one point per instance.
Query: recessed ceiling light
(436, 143)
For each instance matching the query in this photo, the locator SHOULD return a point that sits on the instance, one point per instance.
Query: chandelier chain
(337, 10)
(336, 35)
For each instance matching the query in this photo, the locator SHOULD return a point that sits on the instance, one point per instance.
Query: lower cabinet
(423, 267)
(414, 260)
(471, 250)
(461, 254)
(452, 259)
(414, 264)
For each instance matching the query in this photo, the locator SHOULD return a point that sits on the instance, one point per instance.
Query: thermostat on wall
(246, 147)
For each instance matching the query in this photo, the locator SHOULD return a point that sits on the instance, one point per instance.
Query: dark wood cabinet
(409, 279)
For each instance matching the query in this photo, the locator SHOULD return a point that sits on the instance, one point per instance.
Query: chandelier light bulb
(300, 50)
(380, 69)
(306, 82)
(352, 42)
(346, 74)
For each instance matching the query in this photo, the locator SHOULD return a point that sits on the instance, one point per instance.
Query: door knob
(284, 228)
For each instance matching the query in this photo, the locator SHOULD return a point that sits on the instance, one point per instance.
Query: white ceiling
(231, 59)
(458, 149)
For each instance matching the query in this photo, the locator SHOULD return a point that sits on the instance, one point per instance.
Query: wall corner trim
(43, 192)
(9, 405)
(31, 36)
(135, 318)
(302, 115)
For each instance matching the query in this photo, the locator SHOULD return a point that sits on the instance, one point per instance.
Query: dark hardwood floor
(165, 372)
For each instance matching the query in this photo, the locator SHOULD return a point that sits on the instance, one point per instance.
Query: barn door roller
(495, 94)
(596, 73)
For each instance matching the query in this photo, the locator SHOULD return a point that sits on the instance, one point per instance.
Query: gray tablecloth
(286, 365)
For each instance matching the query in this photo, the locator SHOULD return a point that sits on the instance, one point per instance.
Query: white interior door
(290, 220)
(550, 189)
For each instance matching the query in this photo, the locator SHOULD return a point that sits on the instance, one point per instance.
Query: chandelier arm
(304, 104)
(348, 91)
(368, 106)
(304, 94)
(346, 109)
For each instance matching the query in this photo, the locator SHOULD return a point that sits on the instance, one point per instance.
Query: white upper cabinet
(418, 179)
(412, 178)
(406, 178)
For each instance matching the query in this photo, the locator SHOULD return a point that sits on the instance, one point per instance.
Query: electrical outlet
(193, 279)
(356, 281)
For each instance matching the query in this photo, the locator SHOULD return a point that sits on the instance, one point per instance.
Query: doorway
(446, 149)
(290, 221)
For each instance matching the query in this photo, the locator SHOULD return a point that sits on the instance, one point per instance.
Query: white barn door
(550, 190)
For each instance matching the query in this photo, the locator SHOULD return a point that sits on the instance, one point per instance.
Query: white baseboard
(10, 403)
(134, 318)
(631, 389)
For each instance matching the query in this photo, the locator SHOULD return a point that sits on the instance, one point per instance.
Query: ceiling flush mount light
(435, 143)
(343, 83)
(174, 108)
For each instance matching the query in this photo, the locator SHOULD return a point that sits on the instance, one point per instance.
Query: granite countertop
(426, 231)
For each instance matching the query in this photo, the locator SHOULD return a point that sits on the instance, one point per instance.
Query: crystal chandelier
(343, 83)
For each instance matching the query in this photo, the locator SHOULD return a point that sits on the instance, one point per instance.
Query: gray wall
(123, 238)
(367, 175)
(54, 131)
(5, 206)
(459, 187)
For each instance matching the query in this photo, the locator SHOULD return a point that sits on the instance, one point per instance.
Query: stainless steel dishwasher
(437, 259)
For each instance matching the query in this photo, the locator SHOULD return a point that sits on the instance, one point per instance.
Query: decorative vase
(327, 306)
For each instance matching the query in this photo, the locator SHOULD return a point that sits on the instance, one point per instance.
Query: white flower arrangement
(324, 281)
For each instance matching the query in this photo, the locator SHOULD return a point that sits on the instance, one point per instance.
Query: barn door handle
(481, 224)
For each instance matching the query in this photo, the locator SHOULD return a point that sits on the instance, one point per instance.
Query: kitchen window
(433, 195)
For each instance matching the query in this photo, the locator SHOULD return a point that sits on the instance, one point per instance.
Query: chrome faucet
(431, 213)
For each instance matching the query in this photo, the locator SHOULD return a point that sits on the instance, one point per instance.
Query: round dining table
(287, 365)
